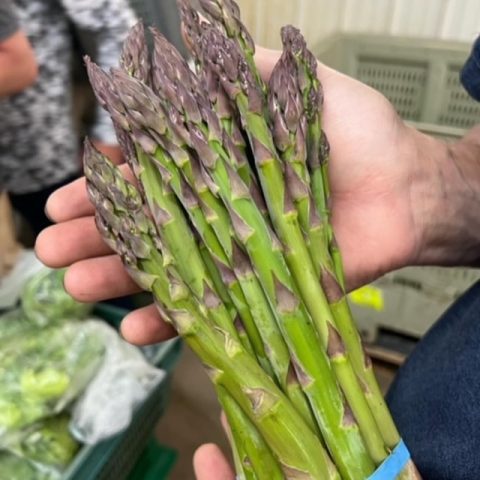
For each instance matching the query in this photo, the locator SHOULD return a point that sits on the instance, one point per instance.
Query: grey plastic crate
(421, 79)
(419, 76)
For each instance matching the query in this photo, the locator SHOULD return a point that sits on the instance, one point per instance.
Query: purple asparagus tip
(134, 58)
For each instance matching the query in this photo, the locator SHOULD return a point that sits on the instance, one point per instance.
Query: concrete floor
(193, 416)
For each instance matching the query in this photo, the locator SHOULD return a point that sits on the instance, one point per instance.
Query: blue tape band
(393, 465)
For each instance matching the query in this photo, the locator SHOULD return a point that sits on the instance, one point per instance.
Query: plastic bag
(12, 284)
(122, 383)
(13, 323)
(45, 301)
(43, 370)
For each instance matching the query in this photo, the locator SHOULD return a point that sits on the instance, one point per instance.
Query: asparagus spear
(254, 456)
(317, 143)
(124, 225)
(310, 87)
(135, 57)
(192, 25)
(289, 133)
(225, 16)
(289, 122)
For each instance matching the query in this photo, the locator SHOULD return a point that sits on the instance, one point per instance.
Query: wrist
(445, 200)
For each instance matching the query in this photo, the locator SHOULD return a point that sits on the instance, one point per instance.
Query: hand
(372, 167)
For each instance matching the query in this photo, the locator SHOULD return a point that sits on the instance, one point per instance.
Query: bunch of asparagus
(228, 225)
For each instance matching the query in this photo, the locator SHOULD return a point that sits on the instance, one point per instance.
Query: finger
(98, 279)
(145, 326)
(66, 243)
(71, 201)
(210, 463)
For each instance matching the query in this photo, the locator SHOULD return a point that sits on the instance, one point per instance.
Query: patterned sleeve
(8, 20)
(102, 25)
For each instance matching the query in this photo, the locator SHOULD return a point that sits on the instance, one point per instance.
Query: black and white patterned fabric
(38, 145)
(8, 20)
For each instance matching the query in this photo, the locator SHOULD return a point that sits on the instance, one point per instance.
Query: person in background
(18, 67)
(39, 145)
(18, 70)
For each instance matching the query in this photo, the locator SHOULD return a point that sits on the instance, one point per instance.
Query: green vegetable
(43, 370)
(45, 301)
(15, 468)
(48, 443)
(44, 383)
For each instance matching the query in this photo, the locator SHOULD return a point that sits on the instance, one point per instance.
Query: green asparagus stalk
(123, 223)
(238, 81)
(289, 132)
(255, 458)
(307, 70)
(317, 143)
(192, 26)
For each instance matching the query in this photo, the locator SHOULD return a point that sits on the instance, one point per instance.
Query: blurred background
(319, 19)
(411, 51)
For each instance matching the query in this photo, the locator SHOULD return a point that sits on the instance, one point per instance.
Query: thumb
(210, 463)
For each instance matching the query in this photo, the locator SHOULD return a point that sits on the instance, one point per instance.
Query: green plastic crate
(155, 463)
(115, 458)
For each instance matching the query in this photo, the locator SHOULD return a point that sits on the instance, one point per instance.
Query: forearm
(18, 67)
(445, 199)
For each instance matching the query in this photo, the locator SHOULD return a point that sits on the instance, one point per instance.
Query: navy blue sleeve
(470, 74)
